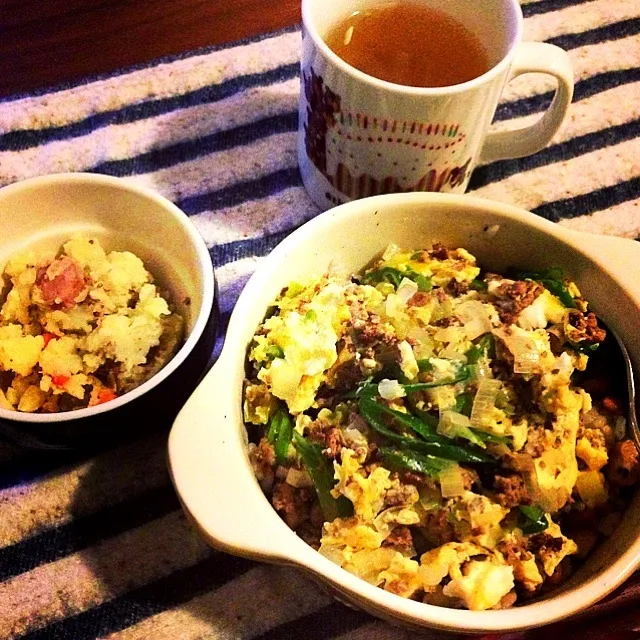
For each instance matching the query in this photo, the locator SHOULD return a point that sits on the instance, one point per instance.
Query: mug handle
(534, 57)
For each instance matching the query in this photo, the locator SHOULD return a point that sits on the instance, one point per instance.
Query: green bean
(553, 280)
(534, 520)
(432, 443)
(484, 347)
(490, 438)
(369, 389)
(280, 434)
(464, 403)
(395, 276)
(462, 375)
(320, 470)
(274, 351)
(424, 365)
(419, 463)
(477, 284)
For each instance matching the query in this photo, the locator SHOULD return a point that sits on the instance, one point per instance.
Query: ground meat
(623, 468)
(400, 539)
(456, 288)
(414, 478)
(368, 333)
(263, 461)
(439, 252)
(345, 373)
(587, 327)
(294, 505)
(545, 541)
(418, 299)
(536, 441)
(316, 515)
(310, 534)
(516, 296)
(513, 552)
(449, 321)
(469, 477)
(333, 443)
(437, 529)
(510, 491)
(400, 495)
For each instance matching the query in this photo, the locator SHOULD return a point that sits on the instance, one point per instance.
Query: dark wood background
(46, 42)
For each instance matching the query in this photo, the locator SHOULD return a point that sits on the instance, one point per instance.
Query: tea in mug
(409, 44)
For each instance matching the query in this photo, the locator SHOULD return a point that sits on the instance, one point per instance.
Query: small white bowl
(208, 443)
(42, 213)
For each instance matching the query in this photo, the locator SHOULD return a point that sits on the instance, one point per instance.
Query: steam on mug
(399, 97)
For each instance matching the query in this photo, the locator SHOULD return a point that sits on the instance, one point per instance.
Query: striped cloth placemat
(96, 546)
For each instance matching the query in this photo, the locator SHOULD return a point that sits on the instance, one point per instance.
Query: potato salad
(80, 328)
(433, 428)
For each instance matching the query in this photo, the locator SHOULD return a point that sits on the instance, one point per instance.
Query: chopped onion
(391, 250)
(391, 389)
(452, 481)
(564, 364)
(473, 314)
(485, 400)
(477, 327)
(406, 290)
(443, 309)
(299, 478)
(456, 425)
(333, 553)
(525, 354)
(354, 438)
(533, 316)
(620, 428)
(451, 422)
(450, 334)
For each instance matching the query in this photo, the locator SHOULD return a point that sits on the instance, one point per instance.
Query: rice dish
(80, 328)
(433, 428)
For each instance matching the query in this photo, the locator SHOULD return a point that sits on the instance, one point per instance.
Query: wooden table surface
(47, 42)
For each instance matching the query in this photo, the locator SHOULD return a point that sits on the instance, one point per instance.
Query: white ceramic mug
(360, 136)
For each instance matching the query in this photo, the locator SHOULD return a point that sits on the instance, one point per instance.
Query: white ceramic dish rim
(208, 288)
(256, 531)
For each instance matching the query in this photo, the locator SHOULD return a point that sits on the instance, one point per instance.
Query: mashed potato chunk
(80, 327)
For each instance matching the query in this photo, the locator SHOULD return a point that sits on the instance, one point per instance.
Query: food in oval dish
(427, 426)
(80, 328)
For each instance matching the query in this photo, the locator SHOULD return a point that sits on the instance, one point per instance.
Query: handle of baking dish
(214, 479)
(621, 255)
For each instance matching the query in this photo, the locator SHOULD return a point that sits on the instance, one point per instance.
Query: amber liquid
(409, 44)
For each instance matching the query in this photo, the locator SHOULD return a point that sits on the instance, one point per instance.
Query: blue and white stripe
(90, 547)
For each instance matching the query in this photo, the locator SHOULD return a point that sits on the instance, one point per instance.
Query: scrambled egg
(439, 405)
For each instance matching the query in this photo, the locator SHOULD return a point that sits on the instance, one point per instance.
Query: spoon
(632, 419)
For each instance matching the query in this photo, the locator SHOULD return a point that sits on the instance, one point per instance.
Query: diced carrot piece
(60, 380)
(105, 395)
(48, 337)
(613, 404)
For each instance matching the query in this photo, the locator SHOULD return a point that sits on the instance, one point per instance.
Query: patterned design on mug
(363, 121)
(363, 185)
(322, 107)
(327, 125)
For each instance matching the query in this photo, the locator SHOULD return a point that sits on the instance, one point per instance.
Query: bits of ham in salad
(423, 425)
(80, 328)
